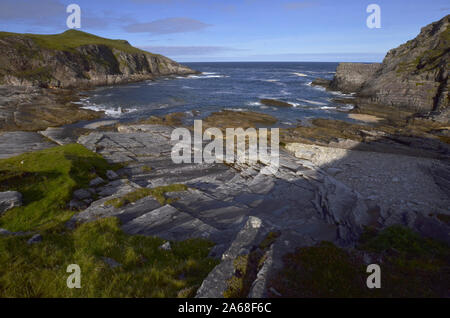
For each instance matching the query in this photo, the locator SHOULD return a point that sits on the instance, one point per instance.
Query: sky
(237, 30)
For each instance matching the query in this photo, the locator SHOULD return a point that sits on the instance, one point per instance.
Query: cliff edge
(415, 75)
(412, 77)
(77, 59)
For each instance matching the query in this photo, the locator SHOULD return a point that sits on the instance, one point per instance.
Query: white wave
(204, 76)
(347, 107)
(272, 80)
(111, 112)
(187, 87)
(338, 93)
(327, 107)
(237, 109)
(300, 74)
(313, 102)
(254, 104)
(209, 73)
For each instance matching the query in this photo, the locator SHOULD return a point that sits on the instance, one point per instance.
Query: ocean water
(236, 86)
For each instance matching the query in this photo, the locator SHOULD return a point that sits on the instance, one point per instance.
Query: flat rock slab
(18, 142)
(59, 135)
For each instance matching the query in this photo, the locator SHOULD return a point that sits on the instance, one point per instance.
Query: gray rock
(82, 194)
(77, 205)
(166, 247)
(9, 200)
(333, 171)
(37, 238)
(19, 142)
(350, 77)
(59, 135)
(96, 182)
(111, 175)
(5, 232)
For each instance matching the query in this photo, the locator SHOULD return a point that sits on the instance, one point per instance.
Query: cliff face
(415, 75)
(77, 59)
(350, 77)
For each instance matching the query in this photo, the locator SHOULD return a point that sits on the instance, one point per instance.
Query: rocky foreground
(318, 194)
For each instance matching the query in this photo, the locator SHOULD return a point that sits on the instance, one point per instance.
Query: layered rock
(77, 59)
(350, 77)
(412, 77)
(415, 75)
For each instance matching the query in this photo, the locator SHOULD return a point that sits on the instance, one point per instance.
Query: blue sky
(237, 30)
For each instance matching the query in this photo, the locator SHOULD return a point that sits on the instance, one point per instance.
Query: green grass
(147, 271)
(158, 193)
(46, 180)
(411, 266)
(72, 39)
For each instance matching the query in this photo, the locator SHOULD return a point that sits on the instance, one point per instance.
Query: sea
(237, 86)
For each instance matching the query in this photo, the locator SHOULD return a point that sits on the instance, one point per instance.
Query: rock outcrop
(415, 75)
(77, 59)
(412, 77)
(350, 77)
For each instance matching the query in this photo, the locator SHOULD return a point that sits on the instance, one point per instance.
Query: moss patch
(158, 193)
(411, 266)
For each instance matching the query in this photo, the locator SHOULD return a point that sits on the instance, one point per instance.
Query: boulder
(9, 200)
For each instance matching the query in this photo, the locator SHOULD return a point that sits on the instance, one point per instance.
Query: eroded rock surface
(309, 199)
(18, 142)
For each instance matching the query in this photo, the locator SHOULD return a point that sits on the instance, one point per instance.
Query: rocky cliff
(415, 75)
(350, 77)
(412, 77)
(77, 59)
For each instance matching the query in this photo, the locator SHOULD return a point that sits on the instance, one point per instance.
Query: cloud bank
(167, 26)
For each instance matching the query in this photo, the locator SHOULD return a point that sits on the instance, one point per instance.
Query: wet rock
(9, 200)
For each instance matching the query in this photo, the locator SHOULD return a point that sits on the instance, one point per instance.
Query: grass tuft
(46, 180)
(39, 270)
(158, 193)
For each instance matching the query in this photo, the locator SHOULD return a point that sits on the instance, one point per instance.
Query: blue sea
(228, 85)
